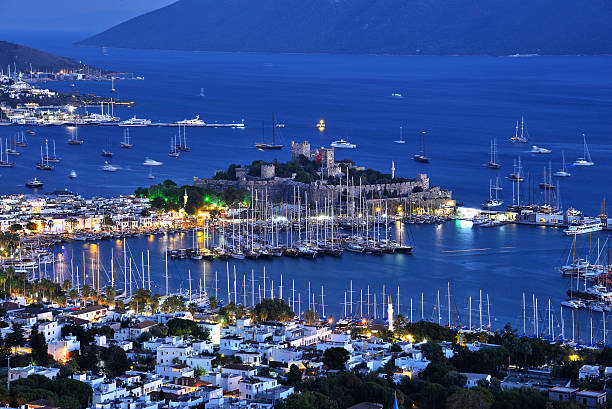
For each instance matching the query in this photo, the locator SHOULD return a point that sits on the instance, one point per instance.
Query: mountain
(22, 57)
(495, 27)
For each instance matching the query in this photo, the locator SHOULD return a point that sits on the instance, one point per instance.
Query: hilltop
(23, 58)
(435, 27)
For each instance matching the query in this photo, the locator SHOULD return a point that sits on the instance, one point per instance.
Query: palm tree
(110, 295)
(142, 297)
(86, 292)
(74, 295)
(154, 302)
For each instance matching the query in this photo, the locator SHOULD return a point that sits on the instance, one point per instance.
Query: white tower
(185, 197)
(390, 314)
(392, 169)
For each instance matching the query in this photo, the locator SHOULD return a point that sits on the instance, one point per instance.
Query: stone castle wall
(282, 190)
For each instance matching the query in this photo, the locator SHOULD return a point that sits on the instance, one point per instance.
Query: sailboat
(517, 173)
(13, 149)
(519, 138)
(126, 144)
(20, 140)
(492, 163)
(547, 184)
(182, 146)
(586, 157)
(44, 162)
(563, 173)
(74, 138)
(173, 152)
(401, 138)
(107, 152)
(420, 157)
(263, 145)
(54, 158)
(492, 202)
(4, 162)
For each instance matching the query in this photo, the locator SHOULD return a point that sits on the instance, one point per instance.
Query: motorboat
(108, 167)
(342, 144)
(538, 149)
(34, 183)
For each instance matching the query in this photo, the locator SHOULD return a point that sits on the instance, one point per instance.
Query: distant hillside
(23, 58)
(496, 27)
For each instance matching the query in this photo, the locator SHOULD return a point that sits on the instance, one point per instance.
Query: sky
(82, 17)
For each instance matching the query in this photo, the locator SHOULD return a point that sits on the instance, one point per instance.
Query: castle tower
(185, 197)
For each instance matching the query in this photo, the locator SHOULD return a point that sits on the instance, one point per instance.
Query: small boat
(34, 183)
(108, 167)
(519, 138)
(401, 138)
(30, 132)
(173, 152)
(72, 174)
(268, 146)
(492, 163)
(151, 162)
(74, 138)
(396, 95)
(517, 174)
(4, 162)
(126, 143)
(342, 144)
(537, 149)
(492, 201)
(586, 157)
(421, 157)
(563, 173)
(44, 160)
(106, 152)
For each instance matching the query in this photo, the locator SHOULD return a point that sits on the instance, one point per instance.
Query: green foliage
(40, 353)
(173, 304)
(311, 317)
(212, 302)
(231, 312)
(63, 392)
(342, 391)
(15, 338)
(476, 398)
(168, 196)
(272, 310)
(181, 327)
(115, 361)
(294, 376)
(335, 358)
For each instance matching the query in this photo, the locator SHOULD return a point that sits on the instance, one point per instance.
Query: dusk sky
(71, 15)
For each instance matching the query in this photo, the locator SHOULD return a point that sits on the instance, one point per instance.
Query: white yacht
(135, 122)
(108, 167)
(537, 149)
(563, 173)
(588, 226)
(586, 157)
(191, 122)
(34, 183)
(72, 174)
(342, 144)
(151, 162)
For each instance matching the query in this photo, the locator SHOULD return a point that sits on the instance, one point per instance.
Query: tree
(31, 226)
(273, 310)
(173, 304)
(475, 398)
(115, 361)
(15, 338)
(141, 299)
(110, 295)
(38, 343)
(212, 302)
(335, 358)
(15, 227)
(181, 327)
(311, 317)
(294, 376)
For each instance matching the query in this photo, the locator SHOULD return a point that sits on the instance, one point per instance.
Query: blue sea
(461, 102)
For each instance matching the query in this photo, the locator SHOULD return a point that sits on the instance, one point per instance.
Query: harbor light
(574, 357)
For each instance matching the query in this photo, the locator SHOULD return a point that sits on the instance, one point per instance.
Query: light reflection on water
(503, 262)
